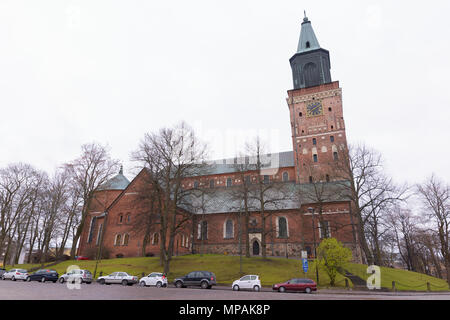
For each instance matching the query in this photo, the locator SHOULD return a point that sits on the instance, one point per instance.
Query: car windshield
(22, 271)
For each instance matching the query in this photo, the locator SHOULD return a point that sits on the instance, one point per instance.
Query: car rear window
(22, 271)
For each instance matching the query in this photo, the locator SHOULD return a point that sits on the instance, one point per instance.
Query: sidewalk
(374, 292)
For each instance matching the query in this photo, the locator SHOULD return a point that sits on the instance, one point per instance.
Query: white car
(156, 279)
(249, 282)
(15, 274)
(118, 277)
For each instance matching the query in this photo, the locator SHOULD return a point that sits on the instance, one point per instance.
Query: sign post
(305, 266)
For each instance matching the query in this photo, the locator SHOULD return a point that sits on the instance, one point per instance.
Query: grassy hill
(226, 269)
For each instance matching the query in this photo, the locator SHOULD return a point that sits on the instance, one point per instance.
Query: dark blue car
(44, 275)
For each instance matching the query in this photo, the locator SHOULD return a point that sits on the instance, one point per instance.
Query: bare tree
(267, 194)
(88, 172)
(360, 171)
(170, 156)
(435, 197)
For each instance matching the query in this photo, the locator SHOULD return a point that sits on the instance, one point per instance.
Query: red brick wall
(299, 230)
(322, 128)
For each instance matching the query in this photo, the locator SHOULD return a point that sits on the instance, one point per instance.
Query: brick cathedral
(318, 137)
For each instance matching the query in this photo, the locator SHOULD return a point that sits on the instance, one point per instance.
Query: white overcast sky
(73, 72)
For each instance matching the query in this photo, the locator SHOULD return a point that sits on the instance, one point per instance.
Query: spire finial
(305, 19)
(121, 169)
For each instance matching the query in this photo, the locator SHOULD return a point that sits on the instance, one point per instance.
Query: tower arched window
(211, 183)
(196, 184)
(285, 176)
(308, 45)
(229, 182)
(315, 158)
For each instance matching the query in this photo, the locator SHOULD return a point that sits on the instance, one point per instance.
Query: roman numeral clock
(314, 109)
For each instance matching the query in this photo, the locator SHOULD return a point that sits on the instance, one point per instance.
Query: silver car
(122, 278)
(15, 274)
(77, 275)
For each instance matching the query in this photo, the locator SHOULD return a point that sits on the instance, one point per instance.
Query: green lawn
(272, 270)
(404, 280)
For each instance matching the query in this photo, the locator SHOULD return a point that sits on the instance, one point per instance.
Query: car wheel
(282, 289)
(142, 284)
(256, 288)
(204, 284)
(43, 279)
(308, 290)
(13, 278)
(102, 281)
(124, 282)
(79, 280)
(61, 280)
(3, 278)
(179, 284)
(158, 284)
(28, 279)
(235, 287)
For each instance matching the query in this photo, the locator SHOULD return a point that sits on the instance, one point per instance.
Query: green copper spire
(308, 40)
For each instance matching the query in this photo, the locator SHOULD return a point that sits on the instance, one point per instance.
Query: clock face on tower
(314, 109)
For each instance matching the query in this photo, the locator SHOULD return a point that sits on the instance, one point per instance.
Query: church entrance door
(255, 248)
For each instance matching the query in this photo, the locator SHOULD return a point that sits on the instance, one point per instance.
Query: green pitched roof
(308, 40)
(119, 182)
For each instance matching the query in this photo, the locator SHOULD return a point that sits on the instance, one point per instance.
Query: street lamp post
(311, 210)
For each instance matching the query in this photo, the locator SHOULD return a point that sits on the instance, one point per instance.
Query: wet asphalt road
(18, 290)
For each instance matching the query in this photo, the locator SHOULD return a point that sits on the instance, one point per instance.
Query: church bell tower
(315, 106)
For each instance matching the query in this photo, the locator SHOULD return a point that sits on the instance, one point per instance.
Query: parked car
(15, 274)
(156, 279)
(43, 275)
(249, 282)
(204, 279)
(81, 258)
(77, 275)
(304, 285)
(118, 277)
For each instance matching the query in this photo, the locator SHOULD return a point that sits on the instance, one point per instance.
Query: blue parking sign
(305, 265)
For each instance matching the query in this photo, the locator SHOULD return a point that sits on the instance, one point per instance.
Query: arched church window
(282, 227)
(126, 237)
(285, 177)
(155, 238)
(229, 229)
(117, 240)
(308, 45)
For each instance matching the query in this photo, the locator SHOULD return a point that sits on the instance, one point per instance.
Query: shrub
(149, 254)
(119, 255)
(333, 256)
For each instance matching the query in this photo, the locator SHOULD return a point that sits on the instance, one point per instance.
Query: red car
(304, 285)
(81, 258)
